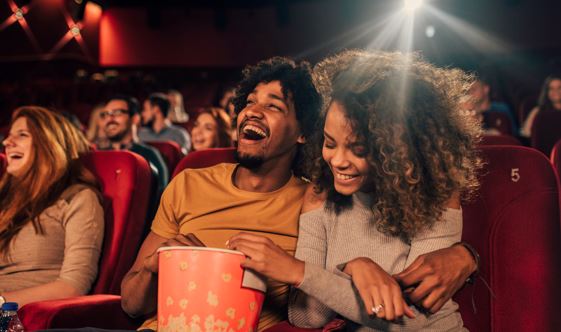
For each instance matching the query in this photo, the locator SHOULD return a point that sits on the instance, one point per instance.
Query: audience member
(393, 155)
(51, 219)
(480, 103)
(212, 129)
(277, 107)
(154, 125)
(119, 121)
(549, 100)
(176, 112)
(95, 132)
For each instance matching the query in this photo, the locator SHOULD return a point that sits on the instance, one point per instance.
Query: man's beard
(117, 137)
(249, 162)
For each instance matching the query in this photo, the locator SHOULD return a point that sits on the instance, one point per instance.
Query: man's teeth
(254, 129)
(345, 176)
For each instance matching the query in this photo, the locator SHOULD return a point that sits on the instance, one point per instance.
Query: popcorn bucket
(206, 289)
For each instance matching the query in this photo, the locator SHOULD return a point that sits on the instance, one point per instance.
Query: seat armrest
(101, 311)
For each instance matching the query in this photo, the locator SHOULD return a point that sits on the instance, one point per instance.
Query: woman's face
(554, 92)
(19, 147)
(205, 132)
(344, 155)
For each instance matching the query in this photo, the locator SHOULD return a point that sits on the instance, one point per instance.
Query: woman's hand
(380, 292)
(265, 257)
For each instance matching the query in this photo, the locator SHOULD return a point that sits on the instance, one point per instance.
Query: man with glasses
(119, 121)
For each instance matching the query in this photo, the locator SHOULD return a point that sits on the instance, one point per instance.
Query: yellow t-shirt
(205, 202)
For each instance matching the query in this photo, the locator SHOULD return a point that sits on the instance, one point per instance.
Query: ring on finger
(378, 308)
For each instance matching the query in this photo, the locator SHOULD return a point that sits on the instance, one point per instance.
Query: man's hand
(377, 289)
(189, 240)
(265, 257)
(437, 276)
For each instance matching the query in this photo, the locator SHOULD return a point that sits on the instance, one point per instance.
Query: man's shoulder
(177, 129)
(141, 148)
(219, 173)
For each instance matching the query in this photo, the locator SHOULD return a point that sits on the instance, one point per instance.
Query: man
(481, 102)
(156, 128)
(277, 106)
(119, 120)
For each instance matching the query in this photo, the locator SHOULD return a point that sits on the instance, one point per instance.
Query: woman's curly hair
(296, 81)
(420, 145)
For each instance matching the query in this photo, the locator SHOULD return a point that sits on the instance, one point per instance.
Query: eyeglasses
(115, 113)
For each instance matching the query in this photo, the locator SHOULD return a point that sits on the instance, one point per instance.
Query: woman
(51, 219)
(392, 157)
(95, 133)
(211, 130)
(176, 112)
(549, 100)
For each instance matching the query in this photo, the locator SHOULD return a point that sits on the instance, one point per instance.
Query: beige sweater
(69, 250)
(327, 241)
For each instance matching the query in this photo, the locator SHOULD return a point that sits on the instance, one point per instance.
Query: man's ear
(301, 139)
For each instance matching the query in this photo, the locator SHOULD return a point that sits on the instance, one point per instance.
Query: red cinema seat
(171, 151)
(499, 121)
(513, 223)
(546, 131)
(125, 180)
(205, 158)
(499, 140)
(555, 156)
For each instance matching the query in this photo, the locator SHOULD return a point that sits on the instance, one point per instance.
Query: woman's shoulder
(81, 192)
(313, 199)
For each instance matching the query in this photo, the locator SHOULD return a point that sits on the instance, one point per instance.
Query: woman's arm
(435, 266)
(50, 291)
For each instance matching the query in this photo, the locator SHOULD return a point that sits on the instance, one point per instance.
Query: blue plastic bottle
(9, 321)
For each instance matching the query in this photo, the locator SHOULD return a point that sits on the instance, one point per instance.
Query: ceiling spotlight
(75, 30)
(412, 5)
(430, 31)
(18, 13)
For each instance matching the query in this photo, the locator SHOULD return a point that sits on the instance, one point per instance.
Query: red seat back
(499, 140)
(171, 151)
(546, 130)
(514, 225)
(555, 156)
(205, 158)
(499, 121)
(125, 180)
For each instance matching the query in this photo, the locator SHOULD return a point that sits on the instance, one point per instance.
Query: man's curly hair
(297, 85)
(420, 145)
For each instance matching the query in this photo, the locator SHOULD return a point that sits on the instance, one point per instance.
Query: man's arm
(139, 288)
(437, 275)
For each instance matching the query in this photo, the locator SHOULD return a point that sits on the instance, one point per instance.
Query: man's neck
(270, 176)
(159, 125)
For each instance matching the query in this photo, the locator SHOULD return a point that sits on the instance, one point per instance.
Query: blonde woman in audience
(211, 130)
(392, 154)
(51, 218)
(549, 100)
(176, 112)
(95, 132)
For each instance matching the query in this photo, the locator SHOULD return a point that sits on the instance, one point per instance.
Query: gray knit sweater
(327, 241)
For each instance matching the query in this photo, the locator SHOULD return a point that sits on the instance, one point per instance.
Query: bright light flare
(412, 5)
